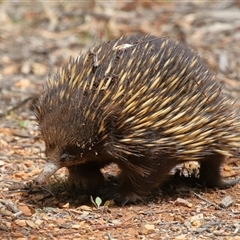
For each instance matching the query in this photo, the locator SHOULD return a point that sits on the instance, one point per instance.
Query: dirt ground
(38, 37)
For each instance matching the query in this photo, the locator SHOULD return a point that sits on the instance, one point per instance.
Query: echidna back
(145, 93)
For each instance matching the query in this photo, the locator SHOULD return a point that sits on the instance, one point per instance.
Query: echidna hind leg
(210, 174)
(85, 176)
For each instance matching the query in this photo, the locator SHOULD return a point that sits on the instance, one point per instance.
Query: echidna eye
(65, 157)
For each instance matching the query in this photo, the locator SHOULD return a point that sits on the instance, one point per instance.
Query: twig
(18, 105)
(3, 228)
(18, 214)
(210, 203)
(109, 236)
(10, 204)
(168, 223)
(236, 231)
(114, 226)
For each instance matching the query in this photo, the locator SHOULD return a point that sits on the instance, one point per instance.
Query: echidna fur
(146, 104)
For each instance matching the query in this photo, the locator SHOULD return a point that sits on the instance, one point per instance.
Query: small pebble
(146, 229)
(226, 202)
(197, 221)
(183, 202)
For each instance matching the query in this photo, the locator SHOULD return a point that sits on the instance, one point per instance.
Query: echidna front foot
(136, 183)
(129, 191)
(85, 176)
(210, 175)
(126, 193)
(123, 200)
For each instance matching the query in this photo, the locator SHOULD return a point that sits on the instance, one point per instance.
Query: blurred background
(37, 37)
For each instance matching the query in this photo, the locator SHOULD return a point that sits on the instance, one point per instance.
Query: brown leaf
(25, 209)
(20, 222)
(23, 83)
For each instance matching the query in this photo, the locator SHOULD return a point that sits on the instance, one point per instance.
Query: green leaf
(24, 124)
(98, 201)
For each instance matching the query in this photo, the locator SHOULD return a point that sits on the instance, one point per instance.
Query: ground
(35, 39)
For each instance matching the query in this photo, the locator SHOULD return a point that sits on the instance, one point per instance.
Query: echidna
(146, 104)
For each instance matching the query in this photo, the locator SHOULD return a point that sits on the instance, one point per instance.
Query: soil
(38, 37)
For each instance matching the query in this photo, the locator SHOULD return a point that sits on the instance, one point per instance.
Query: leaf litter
(37, 38)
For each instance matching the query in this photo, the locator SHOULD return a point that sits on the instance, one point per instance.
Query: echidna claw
(230, 183)
(122, 201)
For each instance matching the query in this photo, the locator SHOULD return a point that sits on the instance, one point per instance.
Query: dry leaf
(25, 209)
(23, 83)
(21, 223)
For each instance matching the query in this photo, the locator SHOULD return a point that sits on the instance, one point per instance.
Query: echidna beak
(49, 169)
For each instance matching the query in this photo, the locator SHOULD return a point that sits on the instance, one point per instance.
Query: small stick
(207, 201)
